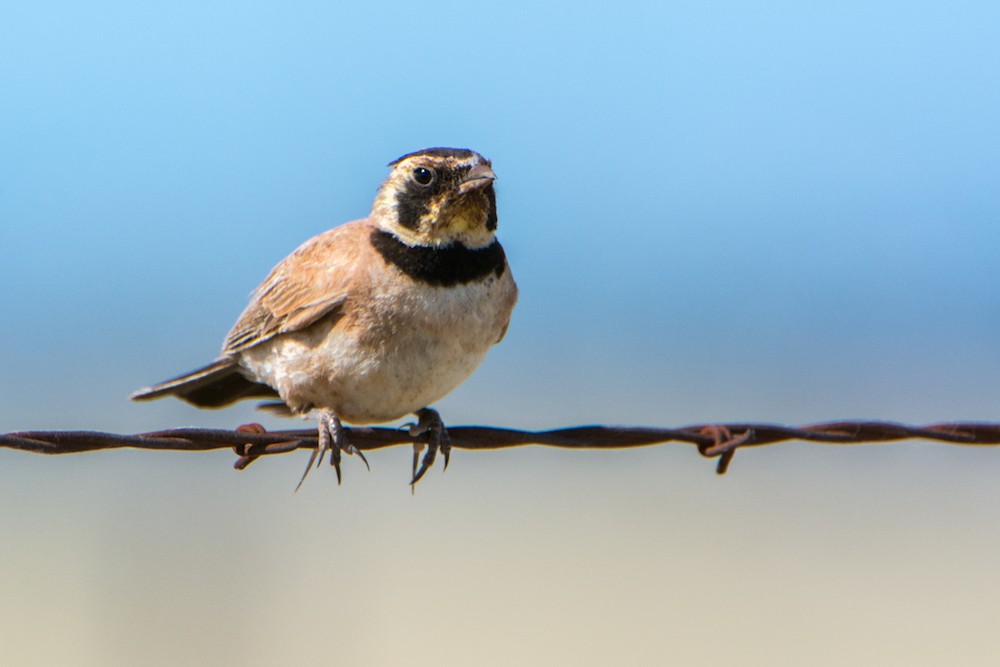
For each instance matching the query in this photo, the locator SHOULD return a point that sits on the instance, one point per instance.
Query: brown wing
(311, 283)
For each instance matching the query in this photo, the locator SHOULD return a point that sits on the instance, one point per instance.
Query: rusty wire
(719, 441)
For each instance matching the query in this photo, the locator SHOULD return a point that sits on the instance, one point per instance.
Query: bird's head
(439, 196)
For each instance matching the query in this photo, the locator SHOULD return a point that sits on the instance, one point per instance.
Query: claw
(416, 457)
(428, 461)
(335, 462)
(429, 423)
(312, 457)
(361, 455)
(350, 449)
(445, 446)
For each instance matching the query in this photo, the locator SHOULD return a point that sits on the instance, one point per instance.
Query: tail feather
(214, 386)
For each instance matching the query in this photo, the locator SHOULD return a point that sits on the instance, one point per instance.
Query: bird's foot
(332, 438)
(429, 424)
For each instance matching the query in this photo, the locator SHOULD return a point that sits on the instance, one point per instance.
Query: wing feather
(312, 283)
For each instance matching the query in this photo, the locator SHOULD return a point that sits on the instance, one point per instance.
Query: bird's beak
(477, 178)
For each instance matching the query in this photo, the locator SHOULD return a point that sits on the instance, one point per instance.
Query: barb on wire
(720, 441)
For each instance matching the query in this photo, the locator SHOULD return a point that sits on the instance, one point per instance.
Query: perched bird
(377, 318)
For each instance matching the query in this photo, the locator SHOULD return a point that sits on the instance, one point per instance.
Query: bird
(376, 318)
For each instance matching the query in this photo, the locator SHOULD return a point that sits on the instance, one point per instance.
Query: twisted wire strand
(720, 441)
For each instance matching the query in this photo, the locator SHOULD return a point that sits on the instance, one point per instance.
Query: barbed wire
(720, 441)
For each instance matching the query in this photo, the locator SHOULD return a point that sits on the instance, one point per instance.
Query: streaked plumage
(377, 318)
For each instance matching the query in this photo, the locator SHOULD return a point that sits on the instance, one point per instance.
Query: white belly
(389, 356)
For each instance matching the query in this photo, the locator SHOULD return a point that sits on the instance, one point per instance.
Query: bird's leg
(429, 423)
(332, 437)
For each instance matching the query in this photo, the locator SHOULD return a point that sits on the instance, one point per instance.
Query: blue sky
(716, 211)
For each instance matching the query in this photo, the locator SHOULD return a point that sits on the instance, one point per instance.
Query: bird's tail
(214, 386)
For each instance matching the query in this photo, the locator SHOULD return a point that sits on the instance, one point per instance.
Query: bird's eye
(423, 175)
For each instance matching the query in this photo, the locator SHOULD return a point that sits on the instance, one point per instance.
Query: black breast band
(443, 267)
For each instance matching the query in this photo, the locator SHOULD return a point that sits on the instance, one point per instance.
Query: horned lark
(377, 318)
